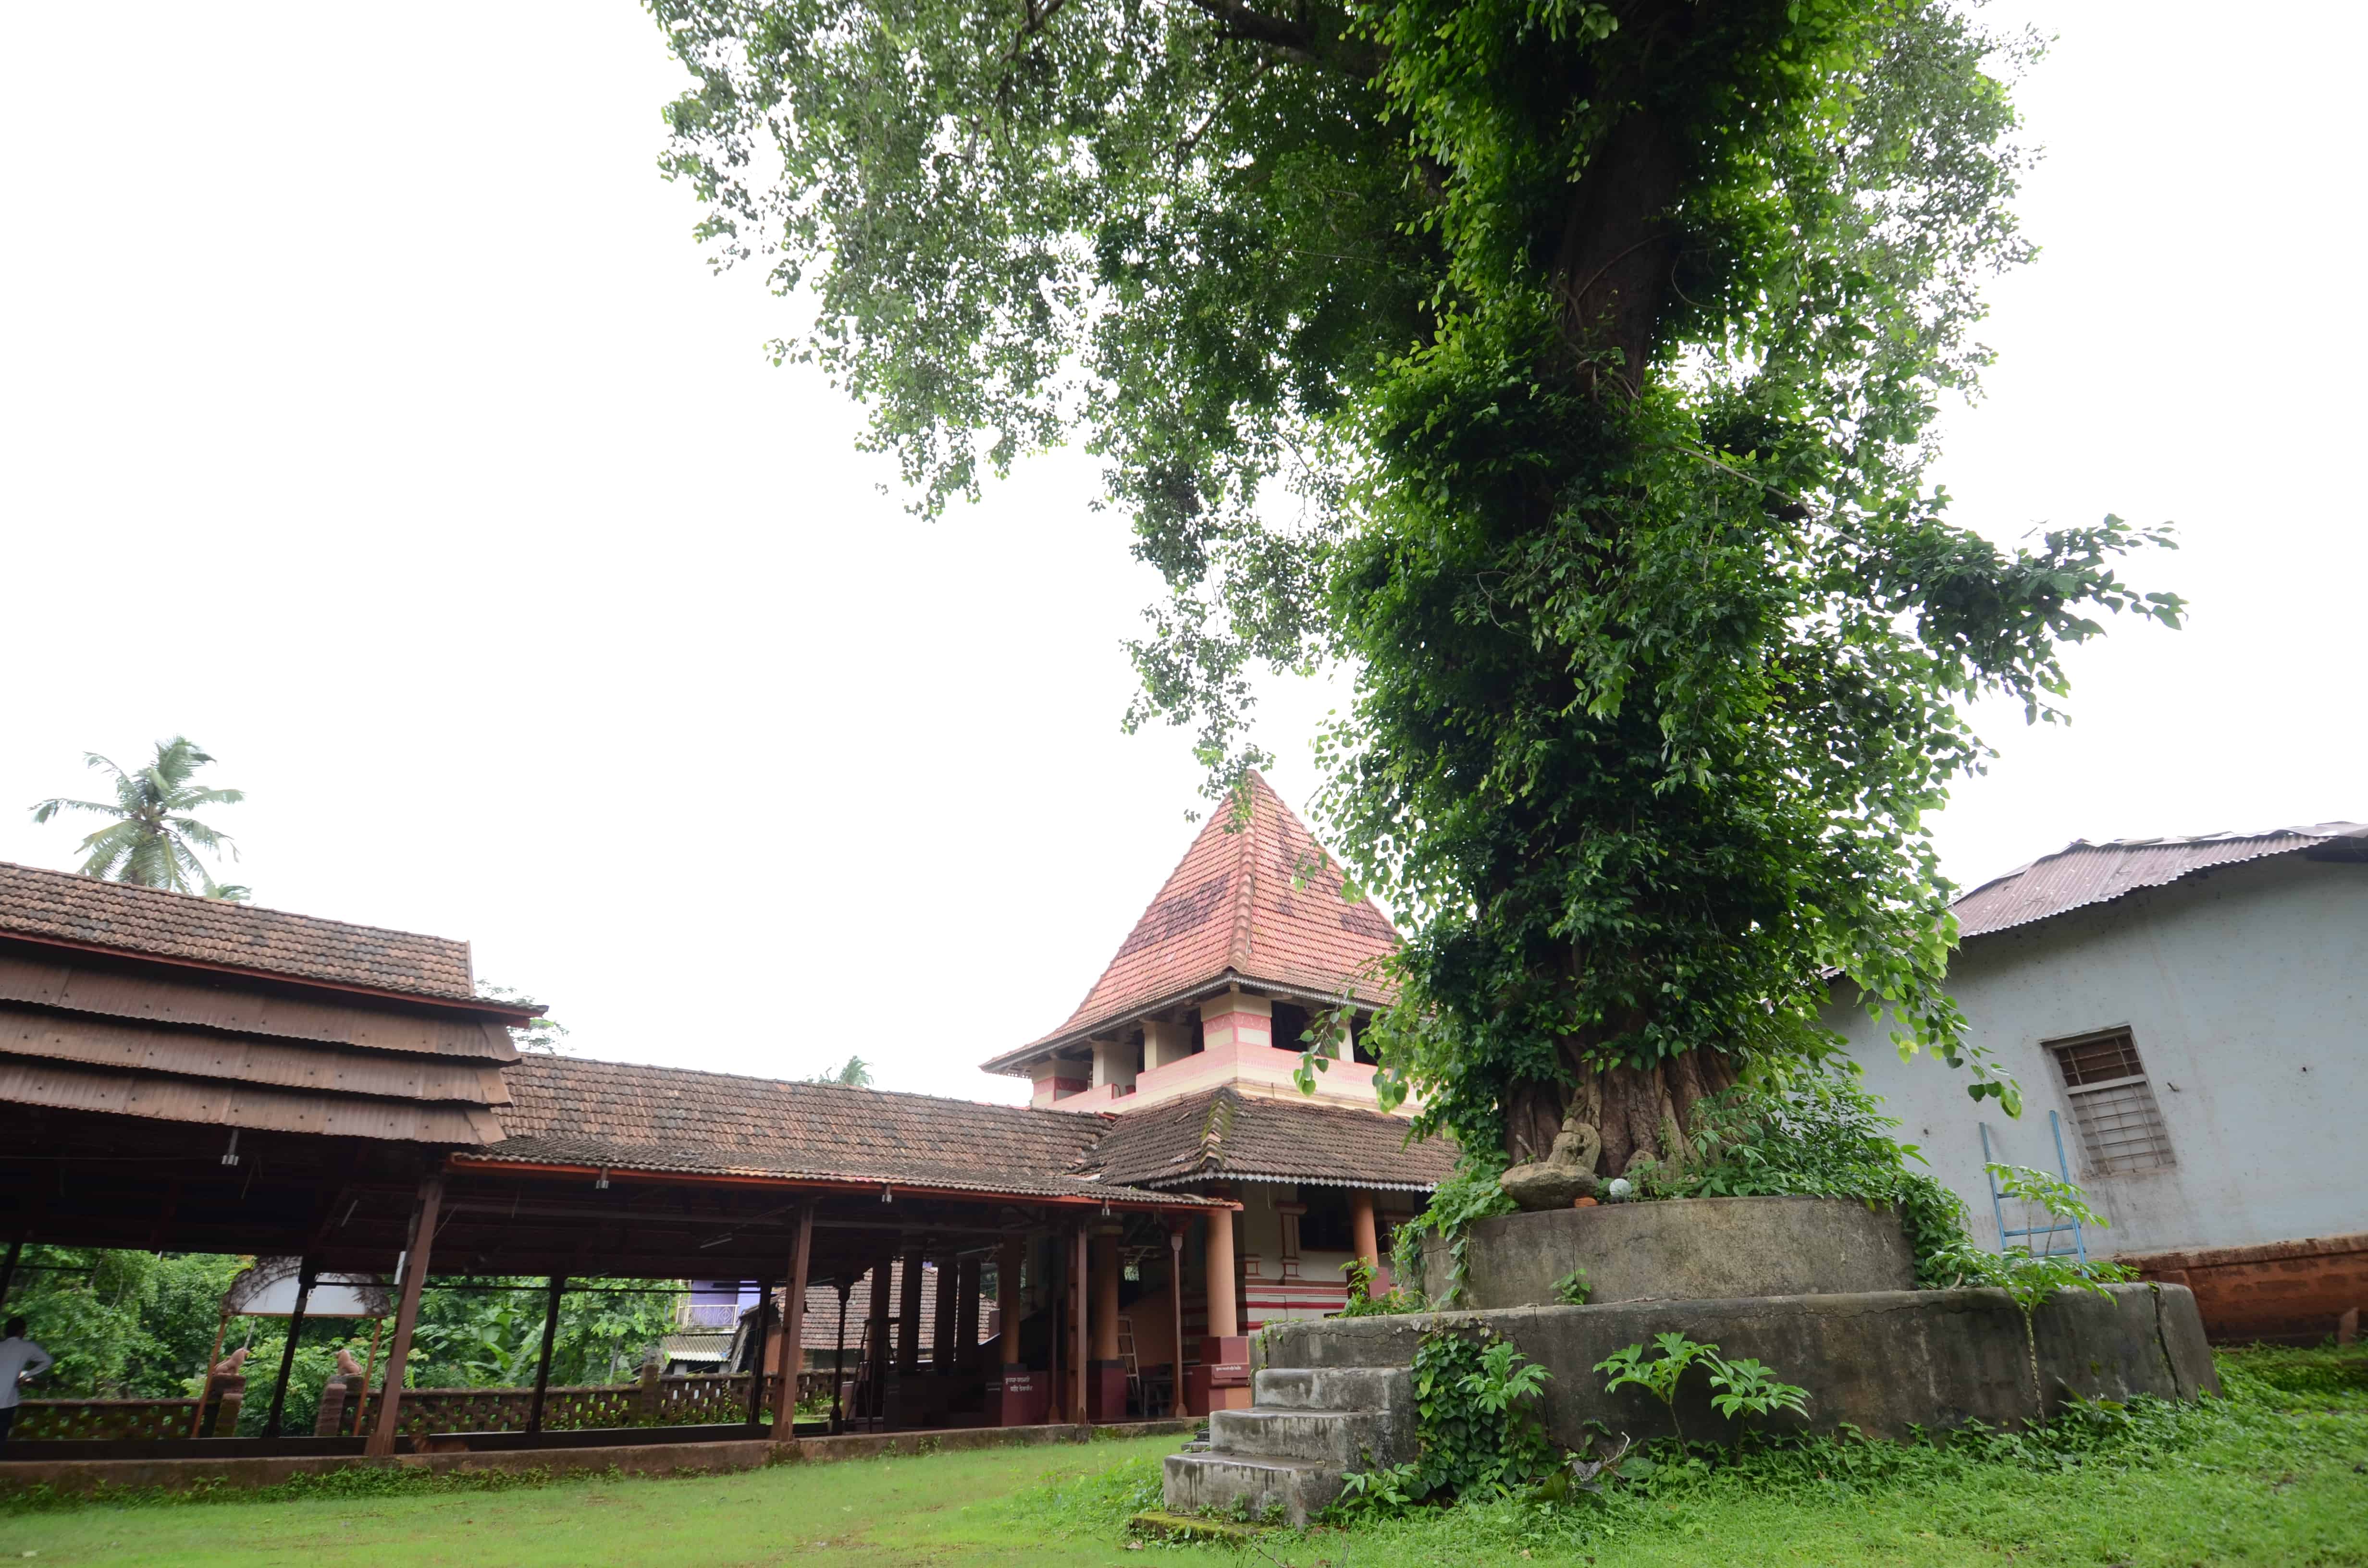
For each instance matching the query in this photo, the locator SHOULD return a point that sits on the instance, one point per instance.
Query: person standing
(19, 1359)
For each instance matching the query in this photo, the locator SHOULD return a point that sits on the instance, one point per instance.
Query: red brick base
(2288, 1291)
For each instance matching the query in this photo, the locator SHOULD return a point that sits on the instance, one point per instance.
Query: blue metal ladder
(1998, 1204)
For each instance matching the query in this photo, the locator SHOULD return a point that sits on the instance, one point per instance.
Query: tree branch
(1329, 51)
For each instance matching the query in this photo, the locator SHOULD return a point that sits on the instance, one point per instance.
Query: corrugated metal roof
(150, 996)
(191, 1054)
(67, 1085)
(2082, 873)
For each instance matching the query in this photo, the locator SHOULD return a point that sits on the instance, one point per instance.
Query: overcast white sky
(368, 414)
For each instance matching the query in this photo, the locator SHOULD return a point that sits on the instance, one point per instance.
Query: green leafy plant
(1364, 1302)
(1476, 1398)
(1471, 1192)
(1741, 1387)
(2032, 1280)
(1749, 1387)
(1820, 1134)
(1658, 1375)
(1389, 1490)
(1572, 1289)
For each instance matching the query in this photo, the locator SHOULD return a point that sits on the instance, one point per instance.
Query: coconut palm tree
(153, 841)
(856, 1074)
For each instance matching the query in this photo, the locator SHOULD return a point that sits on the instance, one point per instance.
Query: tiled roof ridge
(1158, 895)
(1223, 916)
(1064, 1119)
(1216, 1122)
(1237, 950)
(142, 889)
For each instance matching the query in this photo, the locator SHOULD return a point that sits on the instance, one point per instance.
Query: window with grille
(2112, 1105)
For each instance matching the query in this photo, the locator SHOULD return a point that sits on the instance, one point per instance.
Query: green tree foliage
(545, 1036)
(1567, 370)
(138, 1325)
(121, 1324)
(853, 1073)
(491, 1338)
(153, 840)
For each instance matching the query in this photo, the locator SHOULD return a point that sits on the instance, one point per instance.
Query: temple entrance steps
(1285, 1455)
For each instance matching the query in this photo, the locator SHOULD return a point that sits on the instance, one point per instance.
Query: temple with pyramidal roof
(1189, 1042)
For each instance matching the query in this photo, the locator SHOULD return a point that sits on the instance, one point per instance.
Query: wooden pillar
(552, 1290)
(1105, 1278)
(406, 1313)
(306, 1271)
(1225, 1320)
(793, 1328)
(944, 1340)
(1176, 1319)
(1008, 1308)
(1078, 1336)
(838, 1356)
(966, 1277)
(1362, 1237)
(9, 1272)
(884, 1354)
(908, 1313)
(1057, 1316)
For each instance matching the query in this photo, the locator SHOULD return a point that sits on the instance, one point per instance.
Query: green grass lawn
(2277, 1474)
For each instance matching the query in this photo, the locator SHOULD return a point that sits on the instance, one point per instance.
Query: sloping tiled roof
(1257, 901)
(2082, 873)
(153, 923)
(1224, 1133)
(618, 1116)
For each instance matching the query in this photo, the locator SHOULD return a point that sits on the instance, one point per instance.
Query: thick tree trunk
(1637, 1114)
(1612, 267)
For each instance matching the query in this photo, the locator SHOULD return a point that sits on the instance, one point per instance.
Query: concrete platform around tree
(1685, 1249)
(1886, 1363)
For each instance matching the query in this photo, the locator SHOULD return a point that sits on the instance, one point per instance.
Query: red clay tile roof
(151, 923)
(1224, 1133)
(1258, 902)
(2082, 873)
(615, 1115)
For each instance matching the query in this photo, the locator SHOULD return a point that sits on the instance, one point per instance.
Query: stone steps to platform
(1285, 1455)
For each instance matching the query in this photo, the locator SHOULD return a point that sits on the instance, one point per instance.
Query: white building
(2196, 1013)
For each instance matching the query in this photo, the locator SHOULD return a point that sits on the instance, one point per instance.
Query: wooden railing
(696, 1400)
(140, 1420)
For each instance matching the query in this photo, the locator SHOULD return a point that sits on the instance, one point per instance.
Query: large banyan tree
(1564, 370)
